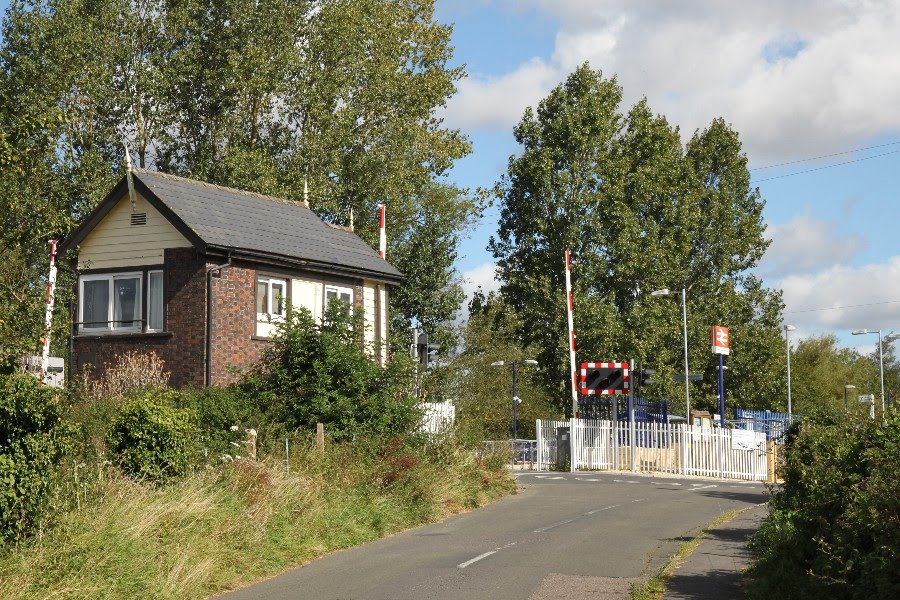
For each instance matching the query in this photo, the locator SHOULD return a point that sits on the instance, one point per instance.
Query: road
(561, 536)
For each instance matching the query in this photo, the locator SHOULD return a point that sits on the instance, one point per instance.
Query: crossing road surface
(561, 532)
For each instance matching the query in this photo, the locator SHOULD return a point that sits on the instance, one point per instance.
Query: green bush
(151, 438)
(33, 439)
(320, 373)
(218, 410)
(834, 525)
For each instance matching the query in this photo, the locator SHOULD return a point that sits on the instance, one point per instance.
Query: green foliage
(255, 95)
(33, 440)
(425, 252)
(152, 439)
(316, 372)
(484, 393)
(217, 411)
(224, 528)
(834, 525)
(819, 371)
(640, 212)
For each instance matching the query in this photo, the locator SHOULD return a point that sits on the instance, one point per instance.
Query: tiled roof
(234, 219)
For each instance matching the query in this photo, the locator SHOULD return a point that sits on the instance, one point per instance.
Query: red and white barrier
(382, 234)
(569, 310)
(48, 315)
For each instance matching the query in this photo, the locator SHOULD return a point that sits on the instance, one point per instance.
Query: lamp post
(787, 345)
(515, 398)
(847, 388)
(880, 358)
(687, 387)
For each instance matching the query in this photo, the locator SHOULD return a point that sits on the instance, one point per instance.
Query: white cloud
(482, 276)
(795, 78)
(805, 245)
(866, 296)
(496, 103)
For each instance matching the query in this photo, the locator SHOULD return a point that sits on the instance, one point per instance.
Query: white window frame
(268, 315)
(338, 289)
(162, 301)
(111, 326)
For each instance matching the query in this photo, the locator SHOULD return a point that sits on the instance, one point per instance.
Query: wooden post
(320, 437)
(771, 451)
(251, 443)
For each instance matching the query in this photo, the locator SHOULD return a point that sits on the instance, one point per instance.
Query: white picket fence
(678, 449)
(437, 416)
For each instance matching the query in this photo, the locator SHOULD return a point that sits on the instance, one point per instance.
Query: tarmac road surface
(565, 535)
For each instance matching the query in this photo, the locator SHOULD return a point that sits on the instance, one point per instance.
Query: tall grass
(226, 526)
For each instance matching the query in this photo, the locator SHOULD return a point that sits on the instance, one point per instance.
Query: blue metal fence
(773, 424)
(645, 410)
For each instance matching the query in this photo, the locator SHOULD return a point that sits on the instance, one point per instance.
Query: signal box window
(343, 294)
(271, 299)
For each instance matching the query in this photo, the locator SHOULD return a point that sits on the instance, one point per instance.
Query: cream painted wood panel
(369, 292)
(115, 242)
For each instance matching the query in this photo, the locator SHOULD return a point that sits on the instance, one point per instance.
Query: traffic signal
(427, 353)
(645, 376)
(604, 378)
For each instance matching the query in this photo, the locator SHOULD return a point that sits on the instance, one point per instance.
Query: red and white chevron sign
(622, 381)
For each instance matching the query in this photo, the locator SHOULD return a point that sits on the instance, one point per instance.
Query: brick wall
(182, 347)
(234, 323)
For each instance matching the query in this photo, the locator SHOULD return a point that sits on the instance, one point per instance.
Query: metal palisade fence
(677, 449)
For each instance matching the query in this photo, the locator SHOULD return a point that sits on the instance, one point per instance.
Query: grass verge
(224, 527)
(654, 587)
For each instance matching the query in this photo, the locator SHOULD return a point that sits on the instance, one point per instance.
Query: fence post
(615, 431)
(320, 437)
(771, 449)
(538, 445)
(572, 446)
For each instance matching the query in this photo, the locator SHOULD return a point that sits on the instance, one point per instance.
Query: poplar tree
(640, 211)
(262, 95)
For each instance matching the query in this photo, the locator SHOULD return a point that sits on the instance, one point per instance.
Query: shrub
(151, 439)
(33, 439)
(834, 526)
(132, 372)
(319, 372)
(217, 410)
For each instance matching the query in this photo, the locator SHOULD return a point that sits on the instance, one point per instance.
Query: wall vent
(139, 218)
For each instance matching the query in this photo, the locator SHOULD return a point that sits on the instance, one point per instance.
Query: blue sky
(798, 80)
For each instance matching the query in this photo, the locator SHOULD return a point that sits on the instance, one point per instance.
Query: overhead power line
(809, 310)
(846, 162)
(803, 160)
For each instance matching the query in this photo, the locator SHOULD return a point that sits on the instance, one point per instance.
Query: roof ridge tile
(223, 188)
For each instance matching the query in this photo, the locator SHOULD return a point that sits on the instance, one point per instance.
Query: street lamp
(515, 397)
(787, 345)
(687, 387)
(847, 388)
(880, 358)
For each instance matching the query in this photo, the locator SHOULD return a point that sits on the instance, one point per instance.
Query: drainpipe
(209, 318)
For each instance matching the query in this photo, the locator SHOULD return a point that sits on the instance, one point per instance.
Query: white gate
(677, 449)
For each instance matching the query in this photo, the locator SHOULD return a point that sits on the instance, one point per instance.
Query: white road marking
(541, 476)
(463, 565)
(471, 561)
(702, 487)
(596, 510)
(567, 521)
(624, 481)
(586, 479)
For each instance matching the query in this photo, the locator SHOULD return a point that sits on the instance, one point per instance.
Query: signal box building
(202, 274)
